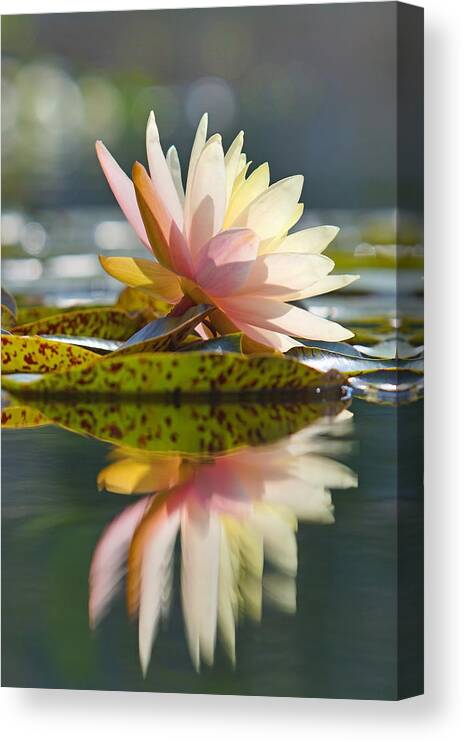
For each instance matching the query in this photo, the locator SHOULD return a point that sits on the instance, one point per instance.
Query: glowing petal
(231, 162)
(327, 284)
(138, 272)
(280, 317)
(284, 276)
(206, 197)
(172, 160)
(197, 147)
(250, 189)
(313, 240)
(123, 191)
(161, 175)
(270, 213)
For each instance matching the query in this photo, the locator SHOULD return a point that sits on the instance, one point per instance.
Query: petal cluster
(223, 238)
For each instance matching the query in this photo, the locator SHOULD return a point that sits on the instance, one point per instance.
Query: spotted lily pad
(33, 354)
(107, 323)
(186, 373)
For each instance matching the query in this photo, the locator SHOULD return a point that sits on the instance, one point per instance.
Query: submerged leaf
(186, 373)
(33, 354)
(107, 323)
(164, 333)
(191, 428)
(22, 416)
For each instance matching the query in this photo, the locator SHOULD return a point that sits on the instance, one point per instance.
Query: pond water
(276, 567)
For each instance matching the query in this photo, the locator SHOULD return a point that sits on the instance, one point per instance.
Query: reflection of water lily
(234, 513)
(224, 241)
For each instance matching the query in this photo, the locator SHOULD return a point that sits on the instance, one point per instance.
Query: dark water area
(316, 616)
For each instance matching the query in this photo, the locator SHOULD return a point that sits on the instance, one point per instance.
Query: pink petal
(123, 191)
(280, 317)
(225, 262)
(275, 340)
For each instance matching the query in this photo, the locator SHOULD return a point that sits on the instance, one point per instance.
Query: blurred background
(314, 90)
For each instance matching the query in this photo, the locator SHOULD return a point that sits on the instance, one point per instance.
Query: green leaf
(186, 373)
(164, 333)
(107, 323)
(224, 344)
(33, 354)
(191, 428)
(349, 365)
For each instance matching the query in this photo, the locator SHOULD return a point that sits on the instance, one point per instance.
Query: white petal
(160, 173)
(231, 162)
(172, 160)
(327, 284)
(206, 197)
(197, 147)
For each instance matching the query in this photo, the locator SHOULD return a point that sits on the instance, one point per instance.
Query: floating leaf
(19, 416)
(224, 344)
(324, 360)
(186, 373)
(164, 333)
(139, 300)
(98, 345)
(33, 354)
(111, 324)
(191, 428)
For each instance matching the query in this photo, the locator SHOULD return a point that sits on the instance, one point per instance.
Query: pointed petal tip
(152, 128)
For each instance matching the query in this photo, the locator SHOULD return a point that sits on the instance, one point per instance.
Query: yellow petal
(231, 162)
(269, 214)
(274, 244)
(142, 273)
(313, 240)
(250, 189)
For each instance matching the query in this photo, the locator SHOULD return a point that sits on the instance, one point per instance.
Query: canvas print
(212, 350)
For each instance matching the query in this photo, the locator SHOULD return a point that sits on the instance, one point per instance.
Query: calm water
(293, 548)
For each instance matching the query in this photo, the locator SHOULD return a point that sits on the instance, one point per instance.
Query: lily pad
(139, 300)
(181, 373)
(9, 302)
(33, 354)
(107, 323)
(224, 344)
(350, 365)
(199, 428)
(164, 333)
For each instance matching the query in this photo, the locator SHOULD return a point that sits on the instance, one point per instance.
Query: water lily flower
(234, 512)
(224, 240)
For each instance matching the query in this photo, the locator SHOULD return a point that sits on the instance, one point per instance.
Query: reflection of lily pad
(388, 387)
(19, 416)
(197, 428)
(186, 373)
